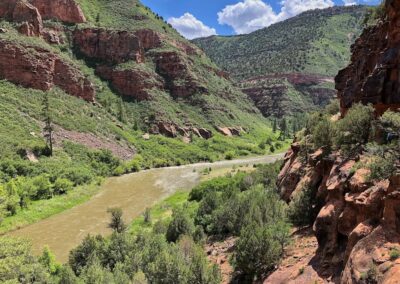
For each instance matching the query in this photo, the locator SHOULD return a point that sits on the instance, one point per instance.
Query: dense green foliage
(171, 251)
(303, 208)
(315, 42)
(359, 132)
(112, 121)
(246, 205)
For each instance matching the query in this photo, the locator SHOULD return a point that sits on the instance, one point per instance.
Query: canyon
(357, 227)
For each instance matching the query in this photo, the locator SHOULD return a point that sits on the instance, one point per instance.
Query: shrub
(394, 254)
(181, 224)
(322, 133)
(116, 223)
(257, 251)
(333, 107)
(382, 167)
(18, 265)
(230, 155)
(354, 128)
(147, 216)
(303, 208)
(62, 185)
(47, 259)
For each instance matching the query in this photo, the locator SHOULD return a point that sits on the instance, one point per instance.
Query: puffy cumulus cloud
(190, 27)
(292, 8)
(349, 2)
(245, 17)
(250, 15)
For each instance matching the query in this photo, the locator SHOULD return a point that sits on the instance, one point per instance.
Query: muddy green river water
(132, 192)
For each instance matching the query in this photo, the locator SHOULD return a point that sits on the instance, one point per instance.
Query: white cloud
(292, 8)
(349, 2)
(245, 17)
(250, 15)
(190, 27)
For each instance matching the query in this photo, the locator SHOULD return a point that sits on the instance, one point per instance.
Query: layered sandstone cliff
(358, 224)
(373, 75)
(39, 68)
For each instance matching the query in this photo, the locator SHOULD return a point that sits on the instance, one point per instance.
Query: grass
(162, 211)
(43, 209)
(21, 112)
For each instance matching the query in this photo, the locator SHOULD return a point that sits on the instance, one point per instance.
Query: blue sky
(195, 18)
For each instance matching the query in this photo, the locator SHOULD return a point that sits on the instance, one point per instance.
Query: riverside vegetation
(165, 245)
(107, 136)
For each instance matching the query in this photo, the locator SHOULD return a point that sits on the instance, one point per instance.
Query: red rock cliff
(38, 68)
(373, 75)
(358, 224)
(67, 11)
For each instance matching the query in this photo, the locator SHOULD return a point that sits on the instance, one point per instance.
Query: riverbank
(42, 209)
(133, 193)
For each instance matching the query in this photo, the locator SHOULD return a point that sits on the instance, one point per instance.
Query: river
(132, 192)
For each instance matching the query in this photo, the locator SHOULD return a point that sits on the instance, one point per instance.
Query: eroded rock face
(131, 82)
(108, 46)
(67, 11)
(30, 13)
(230, 131)
(41, 69)
(270, 93)
(110, 49)
(352, 208)
(177, 75)
(373, 75)
(170, 129)
(20, 11)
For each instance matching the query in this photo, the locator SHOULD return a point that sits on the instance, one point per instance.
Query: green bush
(258, 249)
(303, 207)
(181, 224)
(394, 254)
(18, 263)
(322, 133)
(62, 185)
(382, 167)
(354, 128)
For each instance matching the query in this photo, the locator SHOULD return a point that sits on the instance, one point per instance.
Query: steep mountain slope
(112, 76)
(351, 168)
(289, 66)
(123, 57)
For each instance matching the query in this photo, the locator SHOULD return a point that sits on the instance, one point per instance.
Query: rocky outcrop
(136, 82)
(20, 11)
(352, 210)
(108, 46)
(372, 76)
(273, 94)
(177, 75)
(230, 131)
(38, 68)
(67, 11)
(170, 129)
(30, 13)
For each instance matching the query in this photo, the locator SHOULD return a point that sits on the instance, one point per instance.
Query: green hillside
(110, 135)
(315, 42)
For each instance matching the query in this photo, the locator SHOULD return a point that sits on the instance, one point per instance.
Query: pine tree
(283, 127)
(48, 129)
(274, 127)
(121, 111)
